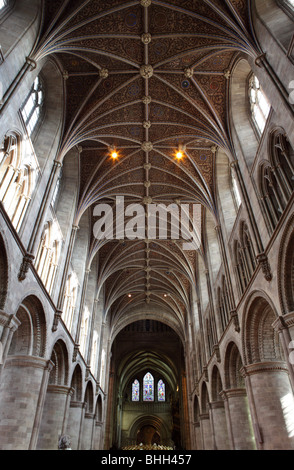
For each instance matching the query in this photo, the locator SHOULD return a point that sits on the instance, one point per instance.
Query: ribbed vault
(146, 78)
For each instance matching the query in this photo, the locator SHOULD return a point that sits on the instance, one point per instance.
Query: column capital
(232, 393)
(262, 260)
(57, 317)
(284, 322)
(235, 319)
(57, 163)
(9, 321)
(27, 261)
(215, 405)
(263, 367)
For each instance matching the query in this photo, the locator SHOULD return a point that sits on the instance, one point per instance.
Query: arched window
(282, 156)
(3, 4)
(249, 255)
(94, 352)
(136, 391)
(209, 335)
(70, 300)
(223, 304)
(259, 104)
(56, 193)
(245, 258)
(240, 267)
(148, 387)
(31, 109)
(235, 190)
(161, 391)
(18, 174)
(48, 254)
(84, 331)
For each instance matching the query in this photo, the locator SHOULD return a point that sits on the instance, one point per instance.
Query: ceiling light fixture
(180, 153)
(113, 153)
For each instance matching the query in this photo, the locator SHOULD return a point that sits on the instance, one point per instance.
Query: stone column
(218, 418)
(54, 415)
(284, 325)
(271, 403)
(97, 436)
(80, 315)
(197, 436)
(206, 432)
(9, 324)
(239, 424)
(87, 435)
(23, 387)
(75, 423)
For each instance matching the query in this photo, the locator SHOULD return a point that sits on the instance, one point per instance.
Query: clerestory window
(259, 104)
(32, 107)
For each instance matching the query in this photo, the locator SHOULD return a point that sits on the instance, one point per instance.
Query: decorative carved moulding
(227, 74)
(188, 72)
(205, 374)
(146, 38)
(57, 317)
(284, 322)
(31, 62)
(146, 71)
(263, 367)
(75, 352)
(147, 200)
(232, 393)
(265, 266)
(147, 146)
(25, 265)
(103, 73)
(147, 124)
(235, 318)
(217, 352)
(146, 99)
(145, 3)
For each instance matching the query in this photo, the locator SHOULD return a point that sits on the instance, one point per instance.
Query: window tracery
(70, 299)
(148, 389)
(18, 175)
(277, 178)
(48, 254)
(32, 107)
(245, 258)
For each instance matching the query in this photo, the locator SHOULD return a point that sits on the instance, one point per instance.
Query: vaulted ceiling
(146, 77)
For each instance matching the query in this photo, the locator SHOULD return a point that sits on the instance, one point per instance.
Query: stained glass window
(161, 390)
(148, 387)
(136, 391)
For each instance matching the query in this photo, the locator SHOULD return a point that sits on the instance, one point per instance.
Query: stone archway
(267, 377)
